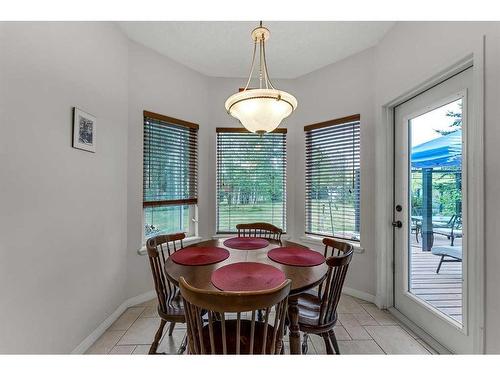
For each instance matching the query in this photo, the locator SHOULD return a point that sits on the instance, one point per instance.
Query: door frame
(461, 94)
(385, 197)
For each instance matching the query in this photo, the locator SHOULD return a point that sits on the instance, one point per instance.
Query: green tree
(456, 124)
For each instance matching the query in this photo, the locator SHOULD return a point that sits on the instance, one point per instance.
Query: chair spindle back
(156, 246)
(261, 230)
(222, 334)
(338, 256)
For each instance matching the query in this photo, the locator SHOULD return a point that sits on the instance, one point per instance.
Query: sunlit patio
(441, 290)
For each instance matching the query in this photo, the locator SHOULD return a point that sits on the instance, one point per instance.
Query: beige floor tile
(122, 349)
(381, 316)
(126, 319)
(177, 326)
(361, 329)
(141, 349)
(142, 332)
(318, 343)
(365, 319)
(106, 342)
(151, 302)
(355, 330)
(150, 312)
(341, 333)
(410, 332)
(311, 350)
(171, 344)
(359, 347)
(287, 347)
(427, 346)
(359, 300)
(395, 340)
(347, 304)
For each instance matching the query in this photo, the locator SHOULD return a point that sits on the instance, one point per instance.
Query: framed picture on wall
(84, 130)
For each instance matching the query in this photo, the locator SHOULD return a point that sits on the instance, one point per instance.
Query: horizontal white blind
(170, 162)
(251, 178)
(333, 179)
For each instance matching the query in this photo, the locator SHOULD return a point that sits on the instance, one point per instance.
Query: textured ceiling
(224, 49)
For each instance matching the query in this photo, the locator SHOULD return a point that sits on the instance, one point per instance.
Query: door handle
(397, 224)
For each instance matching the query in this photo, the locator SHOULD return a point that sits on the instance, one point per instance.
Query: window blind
(251, 178)
(170, 172)
(332, 178)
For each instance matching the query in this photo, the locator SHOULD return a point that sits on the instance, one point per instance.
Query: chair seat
(309, 308)
(451, 251)
(309, 300)
(231, 329)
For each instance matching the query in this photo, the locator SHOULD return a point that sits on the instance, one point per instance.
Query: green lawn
(230, 215)
(341, 219)
(169, 219)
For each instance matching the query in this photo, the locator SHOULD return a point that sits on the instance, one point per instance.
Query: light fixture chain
(260, 60)
(266, 78)
(265, 69)
(253, 64)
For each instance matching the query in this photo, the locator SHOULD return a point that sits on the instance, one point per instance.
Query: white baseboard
(96, 333)
(358, 294)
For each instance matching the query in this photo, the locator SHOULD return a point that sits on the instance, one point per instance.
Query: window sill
(186, 241)
(316, 240)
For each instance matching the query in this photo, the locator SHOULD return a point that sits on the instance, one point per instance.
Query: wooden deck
(443, 290)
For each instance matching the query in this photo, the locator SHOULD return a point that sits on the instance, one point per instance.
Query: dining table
(302, 278)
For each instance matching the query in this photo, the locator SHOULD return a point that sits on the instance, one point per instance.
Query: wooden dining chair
(232, 326)
(170, 307)
(261, 230)
(318, 311)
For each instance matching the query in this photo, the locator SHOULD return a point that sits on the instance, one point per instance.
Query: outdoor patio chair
(452, 229)
(416, 226)
(448, 254)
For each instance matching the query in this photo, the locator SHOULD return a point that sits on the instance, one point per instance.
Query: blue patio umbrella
(444, 151)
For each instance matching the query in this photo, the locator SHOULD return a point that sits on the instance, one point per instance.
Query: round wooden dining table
(303, 278)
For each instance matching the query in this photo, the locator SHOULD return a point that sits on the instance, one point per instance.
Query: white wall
(63, 232)
(415, 51)
(161, 85)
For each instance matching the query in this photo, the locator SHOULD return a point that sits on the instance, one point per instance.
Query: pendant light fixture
(260, 110)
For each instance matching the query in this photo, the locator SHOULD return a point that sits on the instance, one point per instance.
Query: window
(251, 178)
(170, 175)
(333, 178)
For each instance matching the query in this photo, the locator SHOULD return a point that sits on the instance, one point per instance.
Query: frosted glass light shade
(261, 110)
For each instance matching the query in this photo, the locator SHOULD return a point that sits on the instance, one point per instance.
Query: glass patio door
(430, 211)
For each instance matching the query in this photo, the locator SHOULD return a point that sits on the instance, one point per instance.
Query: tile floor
(362, 329)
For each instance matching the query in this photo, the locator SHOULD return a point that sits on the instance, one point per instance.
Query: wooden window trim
(338, 121)
(243, 130)
(175, 202)
(170, 120)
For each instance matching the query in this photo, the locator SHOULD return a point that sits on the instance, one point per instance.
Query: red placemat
(296, 256)
(199, 256)
(246, 243)
(247, 276)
